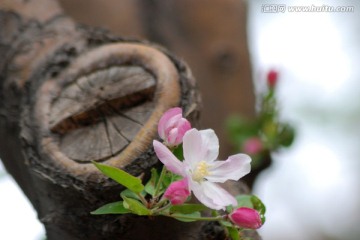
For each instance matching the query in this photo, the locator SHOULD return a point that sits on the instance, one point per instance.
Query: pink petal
(200, 146)
(171, 137)
(165, 118)
(199, 194)
(212, 195)
(172, 123)
(183, 126)
(178, 192)
(183, 122)
(168, 159)
(235, 167)
(192, 147)
(210, 145)
(219, 195)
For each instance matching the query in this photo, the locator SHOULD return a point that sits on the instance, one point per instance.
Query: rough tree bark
(210, 35)
(70, 95)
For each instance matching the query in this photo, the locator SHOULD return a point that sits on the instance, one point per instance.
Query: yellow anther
(200, 172)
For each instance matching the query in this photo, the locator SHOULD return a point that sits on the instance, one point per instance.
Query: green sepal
(111, 208)
(121, 177)
(233, 233)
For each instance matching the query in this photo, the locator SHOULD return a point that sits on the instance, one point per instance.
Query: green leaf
(129, 194)
(240, 128)
(259, 206)
(192, 217)
(136, 207)
(178, 152)
(151, 184)
(233, 233)
(286, 135)
(121, 177)
(111, 208)
(244, 201)
(187, 208)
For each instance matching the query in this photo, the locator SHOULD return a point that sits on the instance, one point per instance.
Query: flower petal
(178, 192)
(210, 145)
(219, 195)
(168, 159)
(172, 123)
(192, 146)
(171, 137)
(165, 118)
(235, 167)
(212, 195)
(200, 146)
(200, 195)
(183, 126)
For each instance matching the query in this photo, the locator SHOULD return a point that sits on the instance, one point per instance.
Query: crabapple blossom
(246, 218)
(253, 145)
(202, 170)
(172, 127)
(177, 192)
(272, 78)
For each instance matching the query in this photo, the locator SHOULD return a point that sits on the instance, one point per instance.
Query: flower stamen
(200, 172)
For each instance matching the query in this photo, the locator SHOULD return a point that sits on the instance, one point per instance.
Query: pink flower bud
(172, 127)
(253, 145)
(246, 218)
(178, 192)
(272, 77)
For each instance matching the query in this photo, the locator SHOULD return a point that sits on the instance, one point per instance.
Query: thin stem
(196, 218)
(161, 201)
(158, 185)
(143, 200)
(159, 210)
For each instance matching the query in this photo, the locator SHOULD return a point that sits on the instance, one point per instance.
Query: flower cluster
(190, 167)
(200, 169)
(265, 133)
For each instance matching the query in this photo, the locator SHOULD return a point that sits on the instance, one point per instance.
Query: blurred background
(311, 189)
